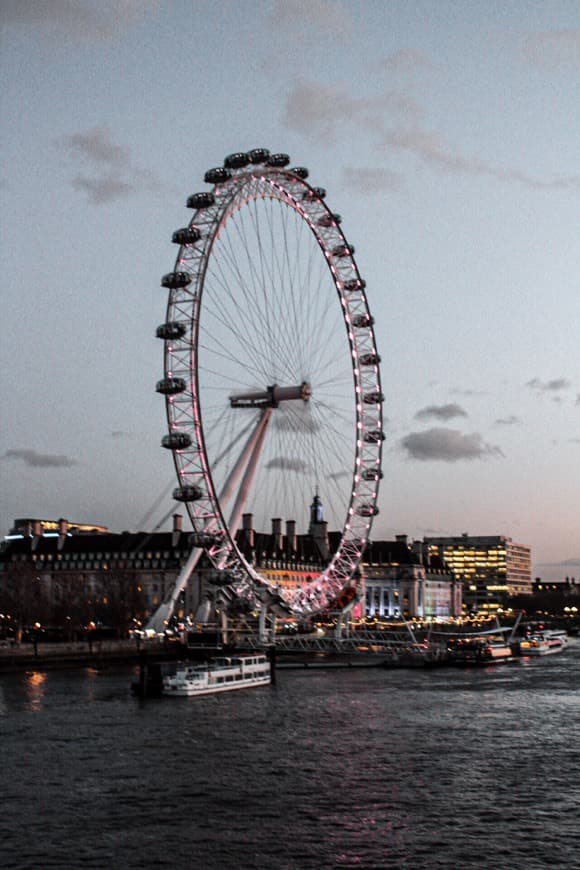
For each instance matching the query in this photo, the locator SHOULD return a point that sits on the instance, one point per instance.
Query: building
(80, 575)
(287, 560)
(492, 568)
(27, 527)
(402, 579)
(53, 571)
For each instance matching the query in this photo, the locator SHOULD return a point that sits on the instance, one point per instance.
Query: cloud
(447, 445)
(552, 386)
(407, 59)
(99, 21)
(510, 420)
(457, 391)
(320, 111)
(114, 176)
(327, 15)
(288, 464)
(430, 147)
(577, 399)
(103, 190)
(441, 412)
(97, 147)
(40, 460)
(395, 120)
(553, 49)
(371, 179)
(316, 110)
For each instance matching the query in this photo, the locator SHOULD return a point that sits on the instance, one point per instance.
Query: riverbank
(78, 654)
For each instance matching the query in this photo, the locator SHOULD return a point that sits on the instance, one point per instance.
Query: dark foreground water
(328, 769)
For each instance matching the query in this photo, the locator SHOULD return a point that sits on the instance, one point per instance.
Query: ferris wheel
(271, 377)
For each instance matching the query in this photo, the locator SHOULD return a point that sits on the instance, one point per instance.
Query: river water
(365, 768)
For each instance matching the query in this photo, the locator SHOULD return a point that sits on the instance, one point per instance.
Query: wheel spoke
(277, 320)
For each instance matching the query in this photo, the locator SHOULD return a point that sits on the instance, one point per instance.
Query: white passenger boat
(219, 675)
(544, 643)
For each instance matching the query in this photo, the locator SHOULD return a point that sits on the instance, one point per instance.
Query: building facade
(56, 571)
(491, 568)
(80, 576)
(403, 579)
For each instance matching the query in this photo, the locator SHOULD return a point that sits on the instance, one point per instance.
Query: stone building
(403, 579)
(88, 576)
(54, 571)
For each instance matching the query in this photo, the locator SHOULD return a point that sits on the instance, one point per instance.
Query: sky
(446, 133)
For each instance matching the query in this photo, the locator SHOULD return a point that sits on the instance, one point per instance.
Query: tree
(23, 595)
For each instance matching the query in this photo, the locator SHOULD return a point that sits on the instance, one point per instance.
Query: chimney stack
(291, 542)
(177, 527)
(62, 530)
(248, 529)
(36, 533)
(277, 533)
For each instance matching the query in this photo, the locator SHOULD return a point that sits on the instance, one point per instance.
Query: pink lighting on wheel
(249, 186)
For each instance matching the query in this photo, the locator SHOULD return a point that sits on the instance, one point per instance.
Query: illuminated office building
(491, 567)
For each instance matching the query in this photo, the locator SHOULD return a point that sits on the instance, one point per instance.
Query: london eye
(271, 375)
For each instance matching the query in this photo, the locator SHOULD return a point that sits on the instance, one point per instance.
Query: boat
(490, 646)
(479, 651)
(544, 643)
(218, 675)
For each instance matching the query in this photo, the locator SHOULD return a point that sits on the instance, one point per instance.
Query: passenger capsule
(258, 155)
(374, 398)
(237, 160)
(172, 330)
(187, 493)
(369, 359)
(367, 510)
(343, 250)
(300, 171)
(372, 474)
(217, 175)
(201, 200)
(360, 321)
(278, 160)
(186, 236)
(173, 280)
(314, 193)
(176, 441)
(354, 284)
(374, 436)
(329, 220)
(170, 386)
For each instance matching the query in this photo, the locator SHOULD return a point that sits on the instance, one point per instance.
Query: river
(365, 768)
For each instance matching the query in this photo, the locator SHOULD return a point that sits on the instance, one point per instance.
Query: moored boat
(479, 651)
(544, 643)
(220, 675)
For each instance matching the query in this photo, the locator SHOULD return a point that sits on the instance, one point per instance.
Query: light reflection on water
(35, 689)
(328, 769)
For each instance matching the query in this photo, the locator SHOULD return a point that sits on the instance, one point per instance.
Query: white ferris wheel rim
(236, 188)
